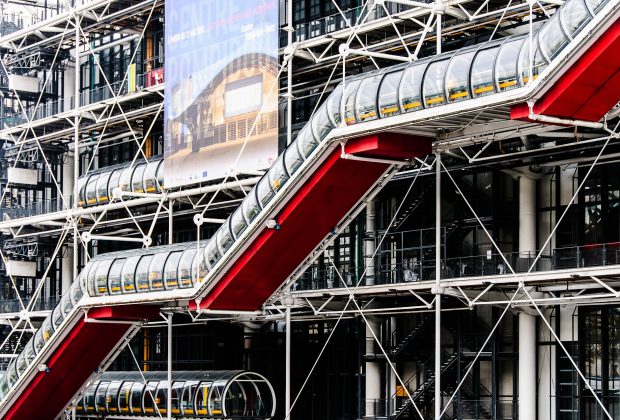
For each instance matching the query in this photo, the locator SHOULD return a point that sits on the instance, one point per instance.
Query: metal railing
(40, 304)
(36, 208)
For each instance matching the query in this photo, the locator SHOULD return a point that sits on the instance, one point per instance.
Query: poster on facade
(221, 93)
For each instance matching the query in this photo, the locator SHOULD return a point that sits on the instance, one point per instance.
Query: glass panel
(177, 389)
(125, 179)
(224, 237)
(112, 397)
(596, 5)
(160, 176)
(29, 351)
(575, 16)
(199, 268)
(47, 329)
(292, 159)
(89, 399)
(91, 190)
(238, 222)
(137, 181)
(156, 271)
(148, 398)
(171, 278)
(457, 77)
(136, 398)
(187, 398)
(202, 398)
(366, 105)
(506, 64)
(57, 315)
(114, 180)
(277, 174)
(482, 72)
(539, 62)
(21, 363)
(321, 123)
(150, 176)
(65, 304)
(333, 105)
(11, 376)
(102, 276)
(388, 94)
(100, 397)
(350, 89)
(212, 254)
(102, 188)
(433, 85)
(161, 397)
(306, 143)
(142, 273)
(185, 268)
(264, 191)
(128, 275)
(82, 181)
(114, 276)
(124, 397)
(76, 289)
(410, 85)
(552, 38)
(250, 206)
(215, 400)
(90, 281)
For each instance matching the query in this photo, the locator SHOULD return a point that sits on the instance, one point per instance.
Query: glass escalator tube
(388, 94)
(292, 160)
(333, 106)
(366, 98)
(321, 123)
(156, 271)
(112, 400)
(82, 181)
(103, 269)
(575, 14)
(410, 89)
(171, 270)
(250, 206)
(137, 389)
(102, 188)
(148, 398)
(89, 399)
(433, 91)
(185, 267)
(100, 397)
(187, 398)
(159, 177)
(128, 275)
(351, 89)
(506, 64)
(115, 178)
(137, 179)
(91, 190)
(115, 275)
(142, 273)
(552, 37)
(91, 269)
(278, 175)
(238, 222)
(457, 79)
(199, 265)
(124, 182)
(124, 397)
(538, 61)
(264, 191)
(150, 176)
(482, 79)
(595, 6)
(225, 237)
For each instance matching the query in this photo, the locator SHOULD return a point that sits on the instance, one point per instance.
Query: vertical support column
(76, 142)
(369, 244)
(170, 222)
(287, 385)
(289, 73)
(373, 372)
(527, 217)
(169, 401)
(527, 366)
(438, 402)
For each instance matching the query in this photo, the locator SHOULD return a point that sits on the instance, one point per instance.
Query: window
(142, 273)
(388, 94)
(171, 278)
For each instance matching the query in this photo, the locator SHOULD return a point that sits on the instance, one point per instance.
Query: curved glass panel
(142, 273)
(306, 143)
(457, 76)
(238, 222)
(596, 5)
(250, 206)
(366, 104)
(185, 268)
(333, 105)
(574, 15)
(125, 178)
(100, 397)
(114, 276)
(124, 397)
(187, 398)
(91, 279)
(321, 123)
(76, 291)
(161, 396)
(112, 397)
(30, 351)
(224, 237)
(136, 398)
(160, 176)
(506, 65)
(171, 270)
(47, 329)
(21, 363)
(177, 389)
(156, 271)
(215, 399)
(137, 180)
(66, 304)
(89, 399)
(212, 254)
(538, 63)
(264, 191)
(199, 268)
(433, 84)
(114, 182)
(102, 188)
(82, 181)
(102, 276)
(148, 398)
(388, 94)
(351, 90)
(128, 275)
(57, 316)
(292, 159)
(277, 174)
(11, 375)
(552, 37)
(91, 190)
(150, 177)
(482, 82)
(411, 87)
(202, 399)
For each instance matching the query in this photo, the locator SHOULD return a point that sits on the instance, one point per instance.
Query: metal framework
(346, 44)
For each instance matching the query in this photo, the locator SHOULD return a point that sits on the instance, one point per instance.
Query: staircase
(404, 342)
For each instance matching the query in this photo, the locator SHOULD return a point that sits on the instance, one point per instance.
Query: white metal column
(527, 366)
(438, 402)
(287, 385)
(373, 372)
(527, 217)
(169, 401)
(369, 244)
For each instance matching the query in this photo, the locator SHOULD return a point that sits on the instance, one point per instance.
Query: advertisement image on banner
(221, 93)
